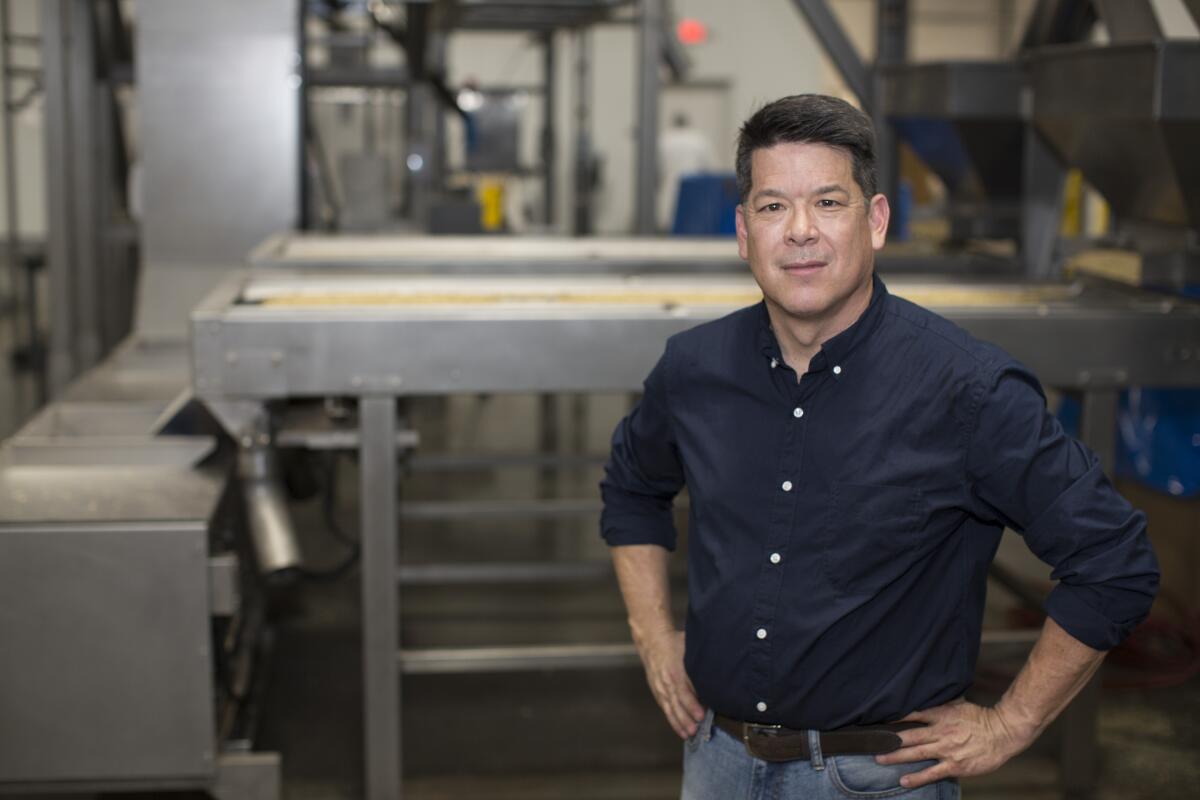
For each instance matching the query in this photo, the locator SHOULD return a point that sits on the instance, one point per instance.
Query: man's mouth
(803, 267)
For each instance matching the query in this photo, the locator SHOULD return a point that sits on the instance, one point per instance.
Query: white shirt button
(837, 370)
(761, 706)
(776, 558)
(761, 633)
(774, 363)
(798, 412)
(787, 486)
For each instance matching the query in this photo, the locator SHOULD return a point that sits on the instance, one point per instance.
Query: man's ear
(739, 219)
(878, 215)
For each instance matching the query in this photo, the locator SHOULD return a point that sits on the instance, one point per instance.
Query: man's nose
(802, 226)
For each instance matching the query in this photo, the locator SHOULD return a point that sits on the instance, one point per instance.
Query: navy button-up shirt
(841, 526)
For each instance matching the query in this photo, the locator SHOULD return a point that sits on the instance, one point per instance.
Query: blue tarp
(1158, 437)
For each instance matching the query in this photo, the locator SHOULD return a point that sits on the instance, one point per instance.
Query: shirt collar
(836, 350)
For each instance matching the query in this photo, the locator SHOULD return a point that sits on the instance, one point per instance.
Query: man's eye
(827, 203)
(771, 207)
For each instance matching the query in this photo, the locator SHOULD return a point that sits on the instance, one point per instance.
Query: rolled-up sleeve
(1026, 472)
(644, 472)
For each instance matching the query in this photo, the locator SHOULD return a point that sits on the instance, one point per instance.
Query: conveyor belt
(293, 334)
(440, 295)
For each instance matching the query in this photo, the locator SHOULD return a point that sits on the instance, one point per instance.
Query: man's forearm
(642, 574)
(1058, 667)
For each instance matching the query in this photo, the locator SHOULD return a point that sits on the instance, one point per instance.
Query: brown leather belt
(777, 743)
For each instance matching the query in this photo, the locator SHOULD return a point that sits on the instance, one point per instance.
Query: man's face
(808, 232)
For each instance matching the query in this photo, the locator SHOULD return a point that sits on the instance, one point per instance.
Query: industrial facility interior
(317, 317)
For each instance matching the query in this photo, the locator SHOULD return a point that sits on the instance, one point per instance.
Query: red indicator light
(691, 31)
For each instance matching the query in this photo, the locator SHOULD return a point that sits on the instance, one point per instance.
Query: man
(851, 461)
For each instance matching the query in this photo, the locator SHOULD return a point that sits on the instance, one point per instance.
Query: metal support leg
(62, 364)
(1080, 753)
(380, 598)
(548, 485)
(646, 180)
(549, 145)
(1041, 208)
(582, 217)
(891, 47)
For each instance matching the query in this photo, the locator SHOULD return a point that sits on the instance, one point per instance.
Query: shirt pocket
(874, 534)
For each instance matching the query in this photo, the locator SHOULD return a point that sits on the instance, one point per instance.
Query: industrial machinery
(268, 337)
(1128, 115)
(131, 619)
(142, 512)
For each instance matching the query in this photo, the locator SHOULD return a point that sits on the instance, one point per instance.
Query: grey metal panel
(105, 664)
(109, 452)
(1128, 116)
(30, 494)
(139, 371)
(957, 89)
(93, 419)
(219, 111)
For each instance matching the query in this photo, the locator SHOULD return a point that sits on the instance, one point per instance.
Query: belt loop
(706, 726)
(816, 757)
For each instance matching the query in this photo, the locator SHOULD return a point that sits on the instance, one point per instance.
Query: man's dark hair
(814, 118)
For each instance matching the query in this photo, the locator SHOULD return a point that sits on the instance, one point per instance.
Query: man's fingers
(915, 736)
(906, 755)
(937, 772)
(678, 724)
(689, 701)
(683, 713)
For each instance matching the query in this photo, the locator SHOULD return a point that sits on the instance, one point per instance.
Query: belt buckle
(751, 727)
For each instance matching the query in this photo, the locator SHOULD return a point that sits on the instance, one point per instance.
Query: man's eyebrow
(820, 190)
(761, 193)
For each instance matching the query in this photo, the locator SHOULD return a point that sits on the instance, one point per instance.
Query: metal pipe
(583, 141)
(10, 183)
(86, 254)
(550, 110)
(62, 355)
(646, 180)
(271, 529)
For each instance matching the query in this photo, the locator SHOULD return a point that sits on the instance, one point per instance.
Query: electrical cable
(334, 529)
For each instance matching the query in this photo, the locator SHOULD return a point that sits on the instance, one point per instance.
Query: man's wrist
(649, 634)
(1021, 726)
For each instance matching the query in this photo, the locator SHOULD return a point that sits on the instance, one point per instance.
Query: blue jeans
(716, 766)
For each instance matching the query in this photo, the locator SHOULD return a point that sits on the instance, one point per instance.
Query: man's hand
(662, 656)
(967, 739)
(642, 574)
(964, 738)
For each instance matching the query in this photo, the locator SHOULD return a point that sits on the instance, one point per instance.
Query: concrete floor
(591, 735)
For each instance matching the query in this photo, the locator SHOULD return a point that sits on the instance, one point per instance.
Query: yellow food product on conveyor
(930, 296)
(655, 298)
